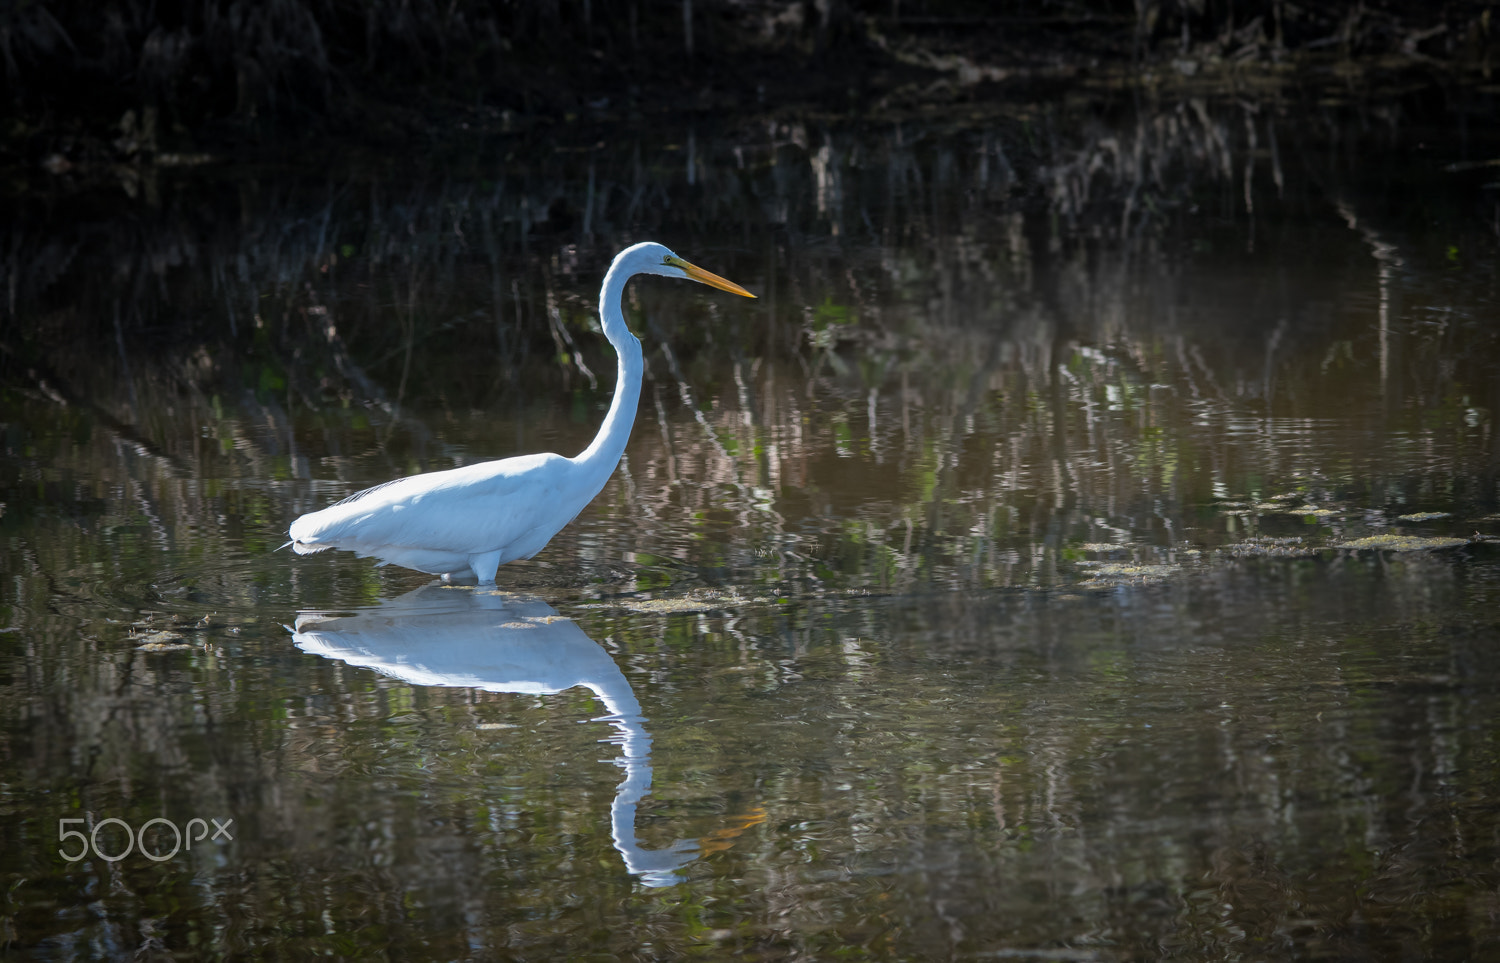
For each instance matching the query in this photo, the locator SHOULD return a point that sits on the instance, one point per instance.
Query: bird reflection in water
(448, 636)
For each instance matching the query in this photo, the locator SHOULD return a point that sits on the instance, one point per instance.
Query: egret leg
(484, 566)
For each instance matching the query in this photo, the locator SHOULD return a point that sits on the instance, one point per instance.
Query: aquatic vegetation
(163, 641)
(1401, 543)
(1265, 546)
(696, 600)
(1111, 574)
(164, 647)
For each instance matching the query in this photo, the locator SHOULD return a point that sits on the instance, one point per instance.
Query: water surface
(1083, 549)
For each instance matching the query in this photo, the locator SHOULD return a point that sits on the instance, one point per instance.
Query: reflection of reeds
(937, 370)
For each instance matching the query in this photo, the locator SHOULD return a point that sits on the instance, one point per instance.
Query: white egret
(477, 518)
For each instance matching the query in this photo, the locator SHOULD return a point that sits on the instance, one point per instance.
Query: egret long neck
(601, 457)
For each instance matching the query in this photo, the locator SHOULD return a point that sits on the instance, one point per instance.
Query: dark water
(1082, 550)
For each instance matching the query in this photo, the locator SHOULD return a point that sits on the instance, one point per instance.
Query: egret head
(649, 257)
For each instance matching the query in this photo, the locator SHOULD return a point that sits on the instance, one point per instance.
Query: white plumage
(476, 518)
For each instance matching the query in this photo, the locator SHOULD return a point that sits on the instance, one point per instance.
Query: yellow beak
(708, 277)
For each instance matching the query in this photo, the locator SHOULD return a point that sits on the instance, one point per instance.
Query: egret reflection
(447, 636)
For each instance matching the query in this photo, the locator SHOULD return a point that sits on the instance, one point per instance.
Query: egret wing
(465, 511)
(370, 491)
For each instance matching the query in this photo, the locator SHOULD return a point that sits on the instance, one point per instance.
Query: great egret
(477, 518)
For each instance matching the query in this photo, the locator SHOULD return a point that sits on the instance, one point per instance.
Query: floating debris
(694, 602)
(160, 638)
(1402, 543)
(1108, 574)
(1264, 546)
(670, 606)
(1311, 510)
(1423, 516)
(1102, 547)
(162, 641)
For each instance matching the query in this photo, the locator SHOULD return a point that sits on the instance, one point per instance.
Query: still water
(1083, 549)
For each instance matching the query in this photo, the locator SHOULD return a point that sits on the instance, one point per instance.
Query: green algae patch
(1311, 510)
(1264, 546)
(1423, 516)
(1102, 547)
(1402, 543)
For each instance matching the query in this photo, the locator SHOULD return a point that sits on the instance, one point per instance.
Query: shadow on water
(442, 636)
